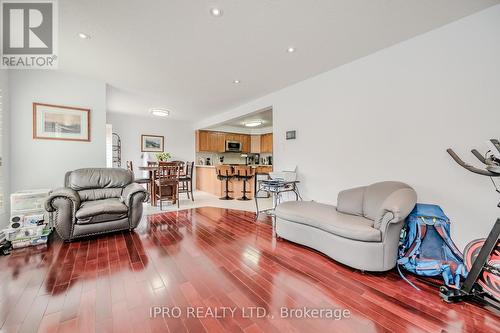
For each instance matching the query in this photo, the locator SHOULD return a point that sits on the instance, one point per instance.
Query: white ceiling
(265, 116)
(174, 54)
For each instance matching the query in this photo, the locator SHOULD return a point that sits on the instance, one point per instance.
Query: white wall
(391, 115)
(43, 163)
(179, 136)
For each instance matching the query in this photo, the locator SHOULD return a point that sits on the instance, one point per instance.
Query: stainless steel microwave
(233, 146)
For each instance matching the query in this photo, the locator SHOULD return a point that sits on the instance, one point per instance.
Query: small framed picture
(152, 143)
(57, 122)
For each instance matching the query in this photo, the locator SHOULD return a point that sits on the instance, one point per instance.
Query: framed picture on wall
(152, 143)
(57, 122)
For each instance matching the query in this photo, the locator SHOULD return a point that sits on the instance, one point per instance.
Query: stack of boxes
(28, 219)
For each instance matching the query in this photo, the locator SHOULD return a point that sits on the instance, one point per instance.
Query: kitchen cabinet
(215, 142)
(245, 143)
(209, 141)
(266, 143)
(218, 143)
(201, 141)
(255, 144)
(206, 180)
(232, 136)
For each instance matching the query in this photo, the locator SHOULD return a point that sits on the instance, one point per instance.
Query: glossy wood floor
(208, 259)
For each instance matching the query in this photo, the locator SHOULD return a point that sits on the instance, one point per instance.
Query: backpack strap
(415, 246)
(444, 235)
(404, 278)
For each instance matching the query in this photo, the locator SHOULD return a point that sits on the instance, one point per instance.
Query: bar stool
(225, 173)
(244, 173)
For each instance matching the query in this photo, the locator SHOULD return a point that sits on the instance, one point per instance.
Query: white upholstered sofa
(362, 231)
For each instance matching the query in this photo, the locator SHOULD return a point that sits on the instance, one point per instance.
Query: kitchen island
(206, 181)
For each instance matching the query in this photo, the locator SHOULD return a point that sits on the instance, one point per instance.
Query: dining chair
(182, 166)
(186, 181)
(145, 180)
(167, 182)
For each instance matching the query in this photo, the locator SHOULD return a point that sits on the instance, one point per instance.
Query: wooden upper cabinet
(221, 142)
(255, 144)
(201, 141)
(208, 141)
(215, 142)
(245, 143)
(232, 137)
(266, 143)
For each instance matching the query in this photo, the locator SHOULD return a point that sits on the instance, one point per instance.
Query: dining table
(152, 169)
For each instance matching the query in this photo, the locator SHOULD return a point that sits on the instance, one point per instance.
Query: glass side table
(276, 188)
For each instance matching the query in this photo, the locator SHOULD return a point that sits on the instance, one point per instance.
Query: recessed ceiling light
(290, 50)
(83, 35)
(216, 12)
(159, 112)
(254, 123)
(236, 81)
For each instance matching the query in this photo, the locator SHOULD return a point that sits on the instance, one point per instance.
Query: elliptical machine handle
(470, 167)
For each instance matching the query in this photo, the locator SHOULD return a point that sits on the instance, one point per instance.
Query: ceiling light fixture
(159, 112)
(290, 50)
(236, 81)
(253, 123)
(216, 12)
(83, 35)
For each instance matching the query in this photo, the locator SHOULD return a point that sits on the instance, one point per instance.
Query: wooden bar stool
(225, 173)
(244, 173)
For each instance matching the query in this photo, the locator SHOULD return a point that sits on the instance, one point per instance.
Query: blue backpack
(426, 248)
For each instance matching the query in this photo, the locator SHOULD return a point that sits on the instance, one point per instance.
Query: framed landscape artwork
(152, 143)
(56, 122)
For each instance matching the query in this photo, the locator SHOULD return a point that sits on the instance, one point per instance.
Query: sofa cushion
(328, 219)
(351, 201)
(101, 211)
(98, 178)
(100, 193)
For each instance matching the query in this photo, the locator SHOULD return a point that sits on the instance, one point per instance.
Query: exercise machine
(481, 256)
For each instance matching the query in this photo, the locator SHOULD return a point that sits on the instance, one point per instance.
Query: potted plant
(163, 157)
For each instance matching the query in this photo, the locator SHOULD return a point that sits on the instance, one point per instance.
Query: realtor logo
(29, 34)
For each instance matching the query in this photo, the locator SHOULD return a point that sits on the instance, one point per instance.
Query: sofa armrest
(395, 208)
(133, 196)
(64, 202)
(51, 204)
(132, 190)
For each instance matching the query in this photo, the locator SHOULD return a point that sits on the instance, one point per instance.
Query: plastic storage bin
(30, 200)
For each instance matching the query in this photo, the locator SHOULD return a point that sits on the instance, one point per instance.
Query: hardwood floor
(211, 260)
